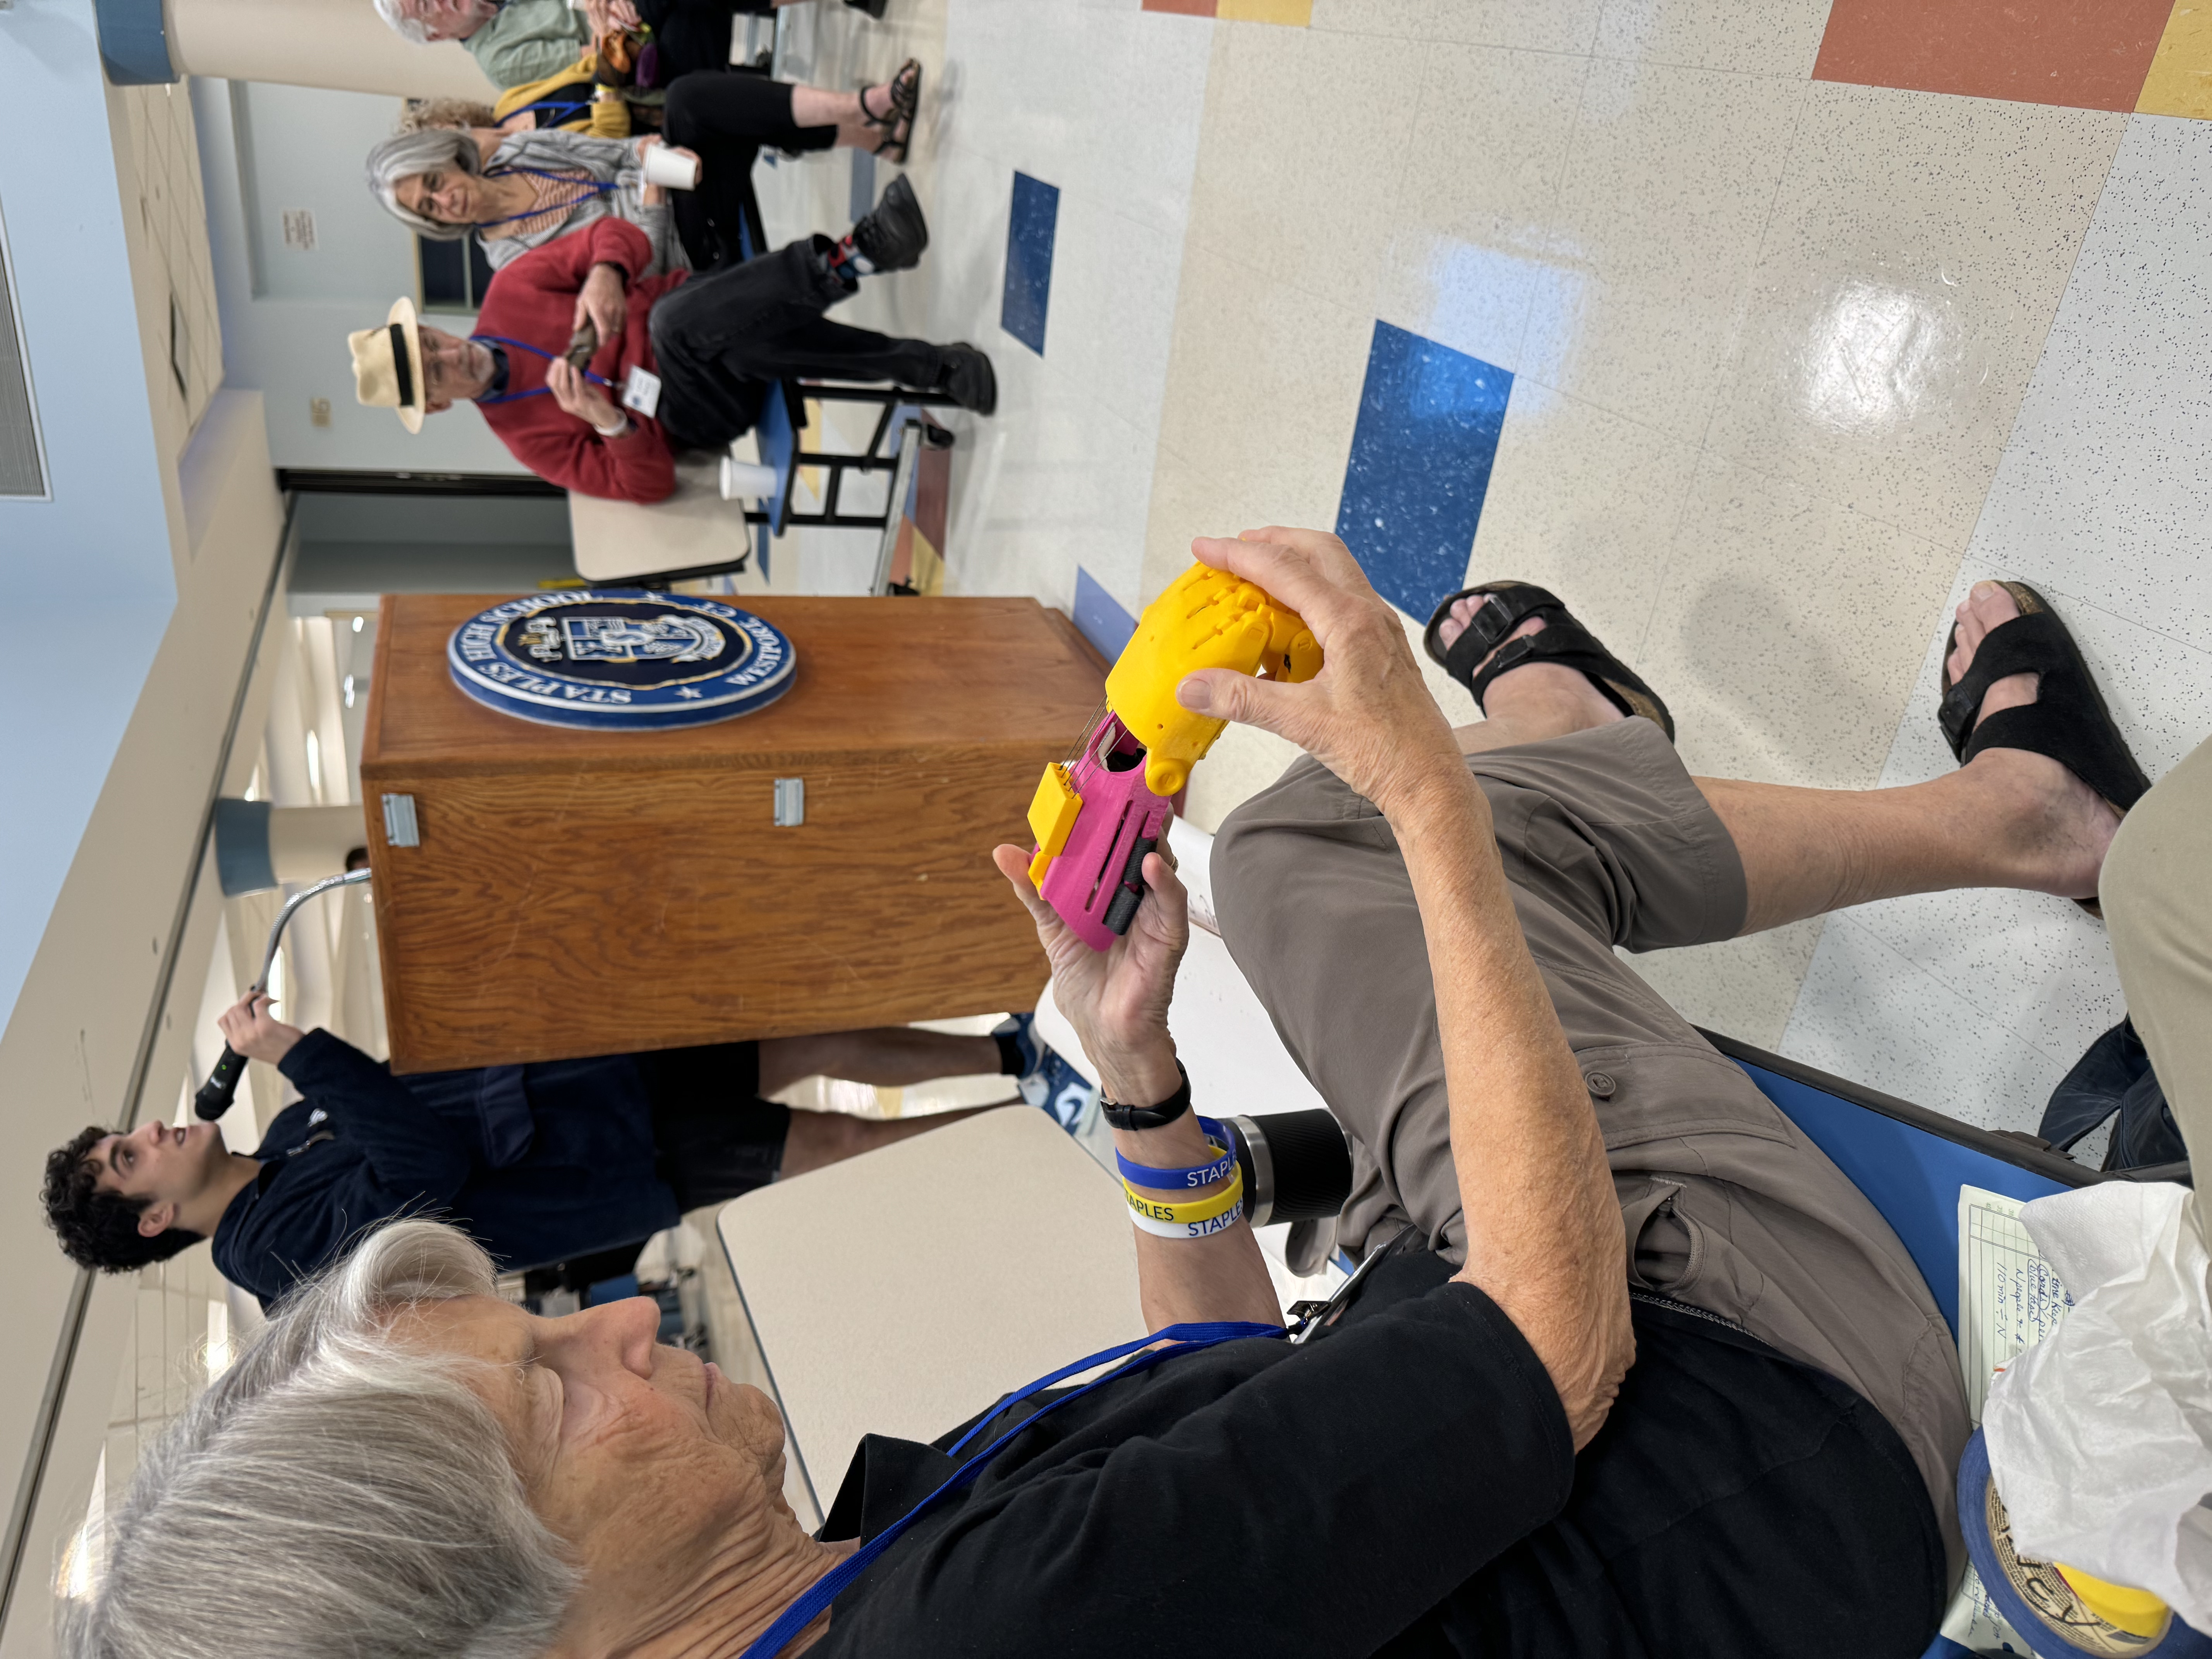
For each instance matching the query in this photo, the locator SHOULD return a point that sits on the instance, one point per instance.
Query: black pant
(714, 1137)
(695, 34)
(724, 338)
(726, 119)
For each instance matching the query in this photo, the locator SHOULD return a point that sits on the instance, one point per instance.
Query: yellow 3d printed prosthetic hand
(1095, 818)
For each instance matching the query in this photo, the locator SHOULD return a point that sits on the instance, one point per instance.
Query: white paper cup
(746, 481)
(670, 169)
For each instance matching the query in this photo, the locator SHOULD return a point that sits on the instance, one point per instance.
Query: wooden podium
(583, 892)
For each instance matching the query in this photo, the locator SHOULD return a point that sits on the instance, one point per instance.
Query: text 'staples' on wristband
(1198, 1175)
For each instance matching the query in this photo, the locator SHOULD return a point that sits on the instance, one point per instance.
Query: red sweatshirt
(533, 299)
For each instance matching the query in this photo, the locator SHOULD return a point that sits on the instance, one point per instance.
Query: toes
(1988, 606)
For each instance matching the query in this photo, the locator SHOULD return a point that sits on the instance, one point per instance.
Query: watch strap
(1150, 1117)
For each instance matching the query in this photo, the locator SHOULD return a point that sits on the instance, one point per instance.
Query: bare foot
(2060, 825)
(1547, 695)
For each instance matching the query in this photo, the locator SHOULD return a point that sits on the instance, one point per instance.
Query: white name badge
(641, 391)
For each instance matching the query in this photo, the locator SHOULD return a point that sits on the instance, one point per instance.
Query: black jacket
(539, 1162)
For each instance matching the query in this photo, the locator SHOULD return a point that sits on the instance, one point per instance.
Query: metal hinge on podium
(399, 827)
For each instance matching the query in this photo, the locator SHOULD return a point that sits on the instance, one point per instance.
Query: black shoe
(968, 380)
(893, 236)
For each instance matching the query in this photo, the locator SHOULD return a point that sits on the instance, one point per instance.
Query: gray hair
(406, 154)
(395, 15)
(333, 1493)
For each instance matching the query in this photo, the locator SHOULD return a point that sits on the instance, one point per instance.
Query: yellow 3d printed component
(1206, 618)
(2136, 1612)
(1052, 814)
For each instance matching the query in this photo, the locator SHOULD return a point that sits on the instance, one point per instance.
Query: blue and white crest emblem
(622, 658)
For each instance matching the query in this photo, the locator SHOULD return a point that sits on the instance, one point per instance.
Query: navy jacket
(539, 1162)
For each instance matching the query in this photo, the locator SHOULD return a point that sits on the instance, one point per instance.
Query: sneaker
(893, 236)
(1023, 1029)
(968, 378)
(1060, 1091)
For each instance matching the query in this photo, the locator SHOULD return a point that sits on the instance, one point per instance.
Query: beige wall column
(339, 44)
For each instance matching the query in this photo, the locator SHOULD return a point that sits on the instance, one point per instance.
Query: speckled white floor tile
(1585, 503)
(1666, 190)
(1868, 1014)
(1112, 317)
(1473, 243)
(1741, 987)
(1264, 384)
(1787, 632)
(1776, 37)
(1305, 138)
(1565, 26)
(1915, 256)
(2107, 487)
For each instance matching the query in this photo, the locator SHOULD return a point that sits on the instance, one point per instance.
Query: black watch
(1150, 1117)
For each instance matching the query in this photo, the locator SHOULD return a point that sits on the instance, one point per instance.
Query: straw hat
(387, 365)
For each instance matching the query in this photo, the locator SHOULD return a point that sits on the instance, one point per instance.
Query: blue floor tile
(1100, 616)
(1029, 260)
(1421, 453)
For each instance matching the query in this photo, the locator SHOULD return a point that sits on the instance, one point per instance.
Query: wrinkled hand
(583, 398)
(1117, 999)
(249, 1027)
(605, 300)
(1368, 716)
(623, 15)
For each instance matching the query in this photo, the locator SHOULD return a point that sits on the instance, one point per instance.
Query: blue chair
(1911, 1162)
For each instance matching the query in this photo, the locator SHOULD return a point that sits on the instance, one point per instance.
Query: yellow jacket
(604, 118)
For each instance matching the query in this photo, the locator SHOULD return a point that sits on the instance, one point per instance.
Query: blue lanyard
(551, 109)
(1188, 1338)
(536, 391)
(593, 187)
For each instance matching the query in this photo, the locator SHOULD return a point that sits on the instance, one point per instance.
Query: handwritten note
(2010, 1299)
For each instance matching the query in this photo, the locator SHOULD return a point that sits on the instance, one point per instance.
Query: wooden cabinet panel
(582, 892)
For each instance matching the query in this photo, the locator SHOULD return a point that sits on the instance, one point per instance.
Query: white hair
(333, 1493)
(395, 17)
(405, 154)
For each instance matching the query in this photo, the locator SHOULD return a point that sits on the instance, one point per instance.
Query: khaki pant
(1727, 1205)
(2157, 894)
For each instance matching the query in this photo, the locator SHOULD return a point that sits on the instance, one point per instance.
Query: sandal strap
(2035, 643)
(1562, 641)
(1508, 606)
(2067, 721)
(1567, 643)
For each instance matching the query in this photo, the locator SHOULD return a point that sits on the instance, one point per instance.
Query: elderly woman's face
(643, 1460)
(450, 196)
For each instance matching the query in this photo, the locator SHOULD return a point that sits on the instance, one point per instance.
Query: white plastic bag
(2101, 1435)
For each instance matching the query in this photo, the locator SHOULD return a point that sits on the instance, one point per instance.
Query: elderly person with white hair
(518, 189)
(514, 41)
(1460, 1461)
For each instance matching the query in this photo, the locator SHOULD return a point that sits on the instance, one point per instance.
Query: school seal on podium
(620, 659)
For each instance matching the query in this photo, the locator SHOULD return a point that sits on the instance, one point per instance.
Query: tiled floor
(1793, 337)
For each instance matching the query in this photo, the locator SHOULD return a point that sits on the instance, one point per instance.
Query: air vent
(22, 455)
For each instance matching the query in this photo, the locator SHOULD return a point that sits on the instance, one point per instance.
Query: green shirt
(528, 40)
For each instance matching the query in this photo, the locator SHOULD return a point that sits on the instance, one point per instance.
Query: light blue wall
(87, 574)
(303, 148)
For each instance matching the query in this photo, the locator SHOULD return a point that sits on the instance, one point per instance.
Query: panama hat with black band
(387, 365)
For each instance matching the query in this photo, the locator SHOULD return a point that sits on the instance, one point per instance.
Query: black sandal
(2067, 721)
(904, 89)
(1562, 640)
